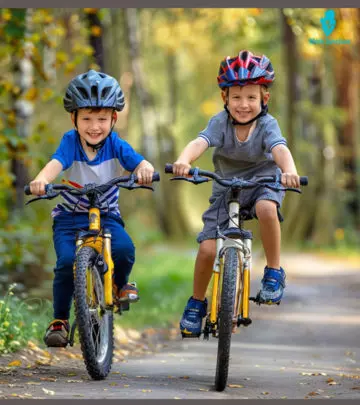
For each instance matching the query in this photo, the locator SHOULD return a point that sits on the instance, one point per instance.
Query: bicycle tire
(95, 323)
(225, 317)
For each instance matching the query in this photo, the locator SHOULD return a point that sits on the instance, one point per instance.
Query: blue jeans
(65, 227)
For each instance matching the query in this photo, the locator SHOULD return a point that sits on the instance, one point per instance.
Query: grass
(164, 280)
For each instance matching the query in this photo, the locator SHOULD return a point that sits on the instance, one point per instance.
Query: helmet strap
(264, 111)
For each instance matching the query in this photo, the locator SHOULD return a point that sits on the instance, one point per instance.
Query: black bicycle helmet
(93, 89)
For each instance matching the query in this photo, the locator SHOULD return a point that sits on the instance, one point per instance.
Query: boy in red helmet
(248, 143)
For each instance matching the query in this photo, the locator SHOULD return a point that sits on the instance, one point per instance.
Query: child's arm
(45, 176)
(285, 161)
(192, 151)
(144, 171)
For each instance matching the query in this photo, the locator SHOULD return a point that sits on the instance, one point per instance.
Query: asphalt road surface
(308, 347)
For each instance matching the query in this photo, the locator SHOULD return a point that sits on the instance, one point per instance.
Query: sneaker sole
(55, 341)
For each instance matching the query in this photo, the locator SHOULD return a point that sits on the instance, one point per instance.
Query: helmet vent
(83, 92)
(94, 91)
(105, 92)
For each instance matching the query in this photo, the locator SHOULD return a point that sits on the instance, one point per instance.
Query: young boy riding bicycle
(89, 153)
(248, 143)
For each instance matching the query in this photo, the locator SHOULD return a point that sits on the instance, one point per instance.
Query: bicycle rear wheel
(225, 317)
(94, 321)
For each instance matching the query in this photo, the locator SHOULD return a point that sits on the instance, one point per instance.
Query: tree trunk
(291, 59)
(158, 144)
(348, 99)
(96, 36)
(23, 108)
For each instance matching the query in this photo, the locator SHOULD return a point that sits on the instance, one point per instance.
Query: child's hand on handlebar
(37, 187)
(290, 180)
(144, 172)
(181, 168)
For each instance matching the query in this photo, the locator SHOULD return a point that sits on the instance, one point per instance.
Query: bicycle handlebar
(239, 182)
(91, 186)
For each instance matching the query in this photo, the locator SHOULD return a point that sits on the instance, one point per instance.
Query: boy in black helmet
(89, 153)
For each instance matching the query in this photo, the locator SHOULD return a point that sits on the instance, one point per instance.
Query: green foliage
(21, 320)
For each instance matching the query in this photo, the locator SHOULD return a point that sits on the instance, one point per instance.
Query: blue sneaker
(191, 321)
(273, 284)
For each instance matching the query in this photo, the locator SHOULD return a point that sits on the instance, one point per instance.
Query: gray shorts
(217, 212)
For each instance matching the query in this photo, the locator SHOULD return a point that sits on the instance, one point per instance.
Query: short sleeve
(66, 151)
(272, 136)
(128, 157)
(213, 133)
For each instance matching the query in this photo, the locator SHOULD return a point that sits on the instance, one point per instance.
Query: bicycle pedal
(185, 336)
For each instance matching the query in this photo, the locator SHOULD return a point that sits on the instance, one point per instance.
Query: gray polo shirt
(246, 159)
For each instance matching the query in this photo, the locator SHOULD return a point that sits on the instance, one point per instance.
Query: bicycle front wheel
(225, 317)
(94, 320)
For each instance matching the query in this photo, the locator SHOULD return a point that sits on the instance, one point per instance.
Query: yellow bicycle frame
(102, 244)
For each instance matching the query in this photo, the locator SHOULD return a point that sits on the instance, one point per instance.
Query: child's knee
(266, 210)
(207, 250)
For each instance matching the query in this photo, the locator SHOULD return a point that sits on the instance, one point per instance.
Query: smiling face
(244, 102)
(94, 125)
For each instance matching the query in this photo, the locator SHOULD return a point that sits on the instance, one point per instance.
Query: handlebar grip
(168, 168)
(27, 190)
(156, 176)
(303, 180)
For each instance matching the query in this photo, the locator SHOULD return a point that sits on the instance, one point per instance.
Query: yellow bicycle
(93, 277)
(230, 293)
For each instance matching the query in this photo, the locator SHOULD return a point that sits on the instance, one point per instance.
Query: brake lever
(191, 179)
(146, 187)
(195, 179)
(49, 196)
(296, 190)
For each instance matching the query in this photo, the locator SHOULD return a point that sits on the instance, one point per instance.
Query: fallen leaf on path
(78, 395)
(265, 393)
(314, 374)
(185, 377)
(177, 398)
(115, 372)
(113, 384)
(355, 388)
(52, 379)
(15, 363)
(313, 394)
(48, 392)
(71, 374)
(44, 362)
(146, 390)
(203, 389)
(33, 383)
(142, 376)
(332, 383)
(235, 386)
(126, 385)
(74, 381)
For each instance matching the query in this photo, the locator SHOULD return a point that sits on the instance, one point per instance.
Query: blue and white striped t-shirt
(78, 170)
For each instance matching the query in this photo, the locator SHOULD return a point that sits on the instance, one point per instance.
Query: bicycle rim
(225, 317)
(95, 322)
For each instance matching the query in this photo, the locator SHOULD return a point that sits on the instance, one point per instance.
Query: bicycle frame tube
(243, 247)
(102, 244)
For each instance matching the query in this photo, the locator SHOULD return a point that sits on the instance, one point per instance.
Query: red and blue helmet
(244, 69)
